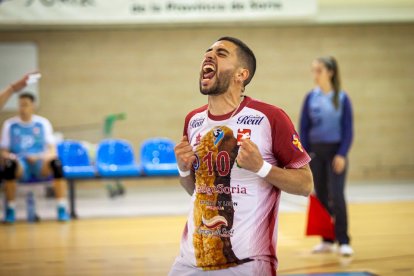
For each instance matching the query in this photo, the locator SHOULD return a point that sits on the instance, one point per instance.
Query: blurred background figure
(29, 152)
(326, 127)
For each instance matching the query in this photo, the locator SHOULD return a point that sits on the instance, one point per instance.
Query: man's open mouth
(209, 71)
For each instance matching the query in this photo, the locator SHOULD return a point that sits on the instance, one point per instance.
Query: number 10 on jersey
(221, 163)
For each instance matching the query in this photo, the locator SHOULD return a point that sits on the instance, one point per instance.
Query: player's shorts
(31, 171)
(253, 268)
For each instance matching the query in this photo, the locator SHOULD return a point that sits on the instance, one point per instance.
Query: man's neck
(224, 103)
(26, 118)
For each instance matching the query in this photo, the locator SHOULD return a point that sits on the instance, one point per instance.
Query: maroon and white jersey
(234, 213)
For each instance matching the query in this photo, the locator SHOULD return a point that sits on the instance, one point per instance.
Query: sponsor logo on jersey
(220, 189)
(27, 141)
(207, 202)
(219, 205)
(218, 133)
(226, 203)
(296, 143)
(215, 222)
(219, 232)
(211, 205)
(250, 120)
(242, 134)
(198, 122)
(215, 208)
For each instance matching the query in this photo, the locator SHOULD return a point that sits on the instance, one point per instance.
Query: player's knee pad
(10, 169)
(57, 169)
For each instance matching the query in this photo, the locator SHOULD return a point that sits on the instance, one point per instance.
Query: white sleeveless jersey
(233, 216)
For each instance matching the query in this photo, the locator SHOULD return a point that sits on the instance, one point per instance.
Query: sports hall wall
(151, 74)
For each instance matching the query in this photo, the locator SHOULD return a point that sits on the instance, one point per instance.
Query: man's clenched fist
(249, 157)
(184, 154)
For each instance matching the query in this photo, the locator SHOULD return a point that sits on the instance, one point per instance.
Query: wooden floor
(383, 238)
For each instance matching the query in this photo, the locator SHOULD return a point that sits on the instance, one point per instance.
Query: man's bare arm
(5, 95)
(12, 88)
(188, 183)
(294, 181)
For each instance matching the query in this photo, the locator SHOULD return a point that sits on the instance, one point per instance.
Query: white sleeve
(49, 138)
(5, 136)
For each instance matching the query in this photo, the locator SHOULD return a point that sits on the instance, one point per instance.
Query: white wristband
(184, 174)
(265, 169)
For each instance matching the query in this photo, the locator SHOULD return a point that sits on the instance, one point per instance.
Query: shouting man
(236, 156)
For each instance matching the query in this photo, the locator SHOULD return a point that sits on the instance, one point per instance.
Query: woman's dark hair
(331, 64)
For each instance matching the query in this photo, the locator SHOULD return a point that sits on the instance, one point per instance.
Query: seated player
(28, 151)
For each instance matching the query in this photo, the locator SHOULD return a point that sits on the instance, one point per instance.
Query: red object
(243, 134)
(320, 222)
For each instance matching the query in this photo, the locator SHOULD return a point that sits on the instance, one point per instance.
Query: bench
(115, 160)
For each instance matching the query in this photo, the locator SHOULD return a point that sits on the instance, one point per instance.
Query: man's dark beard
(221, 85)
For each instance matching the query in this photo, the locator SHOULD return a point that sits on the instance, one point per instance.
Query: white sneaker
(324, 247)
(346, 250)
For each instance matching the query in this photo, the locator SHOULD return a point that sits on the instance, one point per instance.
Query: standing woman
(326, 127)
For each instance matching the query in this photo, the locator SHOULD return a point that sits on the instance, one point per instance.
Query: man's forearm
(5, 95)
(292, 181)
(188, 183)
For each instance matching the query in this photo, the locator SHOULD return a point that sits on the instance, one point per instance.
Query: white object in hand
(33, 78)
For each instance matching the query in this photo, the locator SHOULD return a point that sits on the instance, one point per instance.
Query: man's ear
(242, 75)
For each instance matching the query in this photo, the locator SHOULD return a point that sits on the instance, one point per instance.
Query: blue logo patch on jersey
(218, 133)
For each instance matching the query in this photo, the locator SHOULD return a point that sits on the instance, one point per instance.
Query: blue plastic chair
(75, 160)
(158, 158)
(115, 158)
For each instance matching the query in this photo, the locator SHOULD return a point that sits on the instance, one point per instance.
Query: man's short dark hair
(27, 95)
(246, 56)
